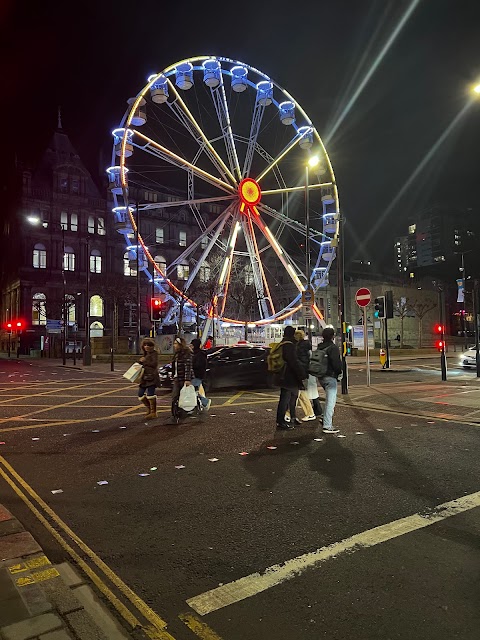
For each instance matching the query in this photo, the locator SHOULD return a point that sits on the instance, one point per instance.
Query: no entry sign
(363, 297)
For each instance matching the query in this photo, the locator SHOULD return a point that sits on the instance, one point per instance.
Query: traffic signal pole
(387, 346)
(443, 357)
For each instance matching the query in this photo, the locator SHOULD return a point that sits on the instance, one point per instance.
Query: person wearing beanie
(289, 380)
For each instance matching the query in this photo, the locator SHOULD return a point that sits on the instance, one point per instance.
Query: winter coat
(293, 373)
(334, 368)
(199, 363)
(150, 376)
(304, 348)
(182, 366)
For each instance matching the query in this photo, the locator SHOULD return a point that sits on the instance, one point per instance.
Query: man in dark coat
(329, 381)
(289, 380)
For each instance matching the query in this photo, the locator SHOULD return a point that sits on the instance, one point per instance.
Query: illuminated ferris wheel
(226, 136)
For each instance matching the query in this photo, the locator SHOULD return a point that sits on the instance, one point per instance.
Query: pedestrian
(209, 342)
(304, 350)
(330, 379)
(181, 372)
(199, 365)
(288, 375)
(147, 393)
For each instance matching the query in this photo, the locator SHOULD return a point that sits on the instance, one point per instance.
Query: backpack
(319, 363)
(275, 361)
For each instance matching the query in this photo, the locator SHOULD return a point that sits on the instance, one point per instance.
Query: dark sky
(90, 56)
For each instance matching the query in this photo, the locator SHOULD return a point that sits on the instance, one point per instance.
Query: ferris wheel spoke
(162, 152)
(224, 276)
(259, 279)
(282, 256)
(183, 113)
(258, 112)
(280, 156)
(220, 221)
(181, 203)
(270, 192)
(315, 236)
(221, 107)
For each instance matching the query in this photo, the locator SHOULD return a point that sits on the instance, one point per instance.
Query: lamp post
(312, 162)
(341, 301)
(87, 351)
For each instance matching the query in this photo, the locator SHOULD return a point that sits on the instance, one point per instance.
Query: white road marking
(257, 582)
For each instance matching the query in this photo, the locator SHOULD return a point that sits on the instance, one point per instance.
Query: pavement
(224, 529)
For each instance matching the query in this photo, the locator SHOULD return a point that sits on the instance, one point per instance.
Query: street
(221, 527)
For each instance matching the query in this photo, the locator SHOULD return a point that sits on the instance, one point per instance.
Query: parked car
(468, 358)
(235, 366)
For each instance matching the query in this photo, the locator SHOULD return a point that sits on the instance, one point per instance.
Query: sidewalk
(41, 601)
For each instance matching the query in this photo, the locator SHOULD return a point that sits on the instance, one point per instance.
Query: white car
(468, 358)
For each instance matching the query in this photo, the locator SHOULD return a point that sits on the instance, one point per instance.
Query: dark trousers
(175, 395)
(288, 400)
(317, 407)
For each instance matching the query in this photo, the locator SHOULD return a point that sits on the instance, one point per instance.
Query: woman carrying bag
(150, 379)
(182, 372)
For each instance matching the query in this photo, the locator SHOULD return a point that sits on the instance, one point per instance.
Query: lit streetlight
(476, 89)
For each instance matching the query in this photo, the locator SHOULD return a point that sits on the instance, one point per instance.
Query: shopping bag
(134, 373)
(188, 398)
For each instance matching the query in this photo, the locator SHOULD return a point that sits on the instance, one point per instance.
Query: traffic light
(439, 328)
(157, 308)
(19, 325)
(8, 326)
(389, 304)
(440, 345)
(379, 307)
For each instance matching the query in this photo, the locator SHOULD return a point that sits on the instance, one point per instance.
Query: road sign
(54, 325)
(363, 297)
(307, 312)
(307, 295)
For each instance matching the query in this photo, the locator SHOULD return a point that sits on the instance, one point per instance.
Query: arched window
(96, 306)
(39, 257)
(161, 263)
(101, 226)
(39, 309)
(69, 259)
(95, 261)
(183, 271)
(127, 270)
(70, 306)
(204, 272)
(91, 224)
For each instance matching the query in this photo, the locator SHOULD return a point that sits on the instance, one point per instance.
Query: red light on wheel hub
(250, 192)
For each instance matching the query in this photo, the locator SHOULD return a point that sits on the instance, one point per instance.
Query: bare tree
(402, 308)
(421, 309)
(113, 289)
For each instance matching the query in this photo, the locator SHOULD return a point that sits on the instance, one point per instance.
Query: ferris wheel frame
(231, 177)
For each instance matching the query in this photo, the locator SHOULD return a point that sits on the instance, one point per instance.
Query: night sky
(90, 57)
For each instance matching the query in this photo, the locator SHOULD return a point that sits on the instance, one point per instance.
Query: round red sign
(363, 297)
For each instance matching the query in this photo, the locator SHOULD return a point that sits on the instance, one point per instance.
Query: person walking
(330, 379)
(182, 372)
(199, 365)
(147, 393)
(288, 377)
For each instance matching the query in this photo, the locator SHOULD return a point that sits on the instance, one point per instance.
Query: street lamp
(476, 89)
(312, 163)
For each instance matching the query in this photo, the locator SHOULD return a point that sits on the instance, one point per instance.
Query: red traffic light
(8, 325)
(440, 345)
(156, 303)
(19, 325)
(439, 328)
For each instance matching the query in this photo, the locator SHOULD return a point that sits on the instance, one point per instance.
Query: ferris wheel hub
(250, 192)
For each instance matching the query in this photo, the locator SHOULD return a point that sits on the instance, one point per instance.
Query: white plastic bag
(134, 373)
(188, 398)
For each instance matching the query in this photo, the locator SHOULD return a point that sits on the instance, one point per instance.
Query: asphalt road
(191, 508)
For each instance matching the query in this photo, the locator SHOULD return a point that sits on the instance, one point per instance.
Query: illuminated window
(95, 261)
(183, 271)
(75, 185)
(204, 272)
(39, 257)
(101, 226)
(412, 228)
(69, 259)
(71, 308)
(64, 220)
(96, 306)
(91, 224)
(73, 222)
(412, 275)
(182, 238)
(204, 242)
(39, 309)
(159, 235)
(161, 263)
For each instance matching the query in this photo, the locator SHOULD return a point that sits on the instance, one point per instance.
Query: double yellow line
(138, 614)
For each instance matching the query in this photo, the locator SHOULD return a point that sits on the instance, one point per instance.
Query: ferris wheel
(219, 135)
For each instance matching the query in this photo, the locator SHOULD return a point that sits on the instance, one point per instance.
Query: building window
(182, 238)
(91, 224)
(204, 272)
(39, 257)
(161, 263)
(412, 228)
(39, 309)
(69, 259)
(101, 226)
(75, 185)
(73, 222)
(70, 306)
(96, 306)
(204, 242)
(63, 185)
(159, 235)
(127, 270)
(64, 220)
(183, 271)
(95, 261)
(129, 315)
